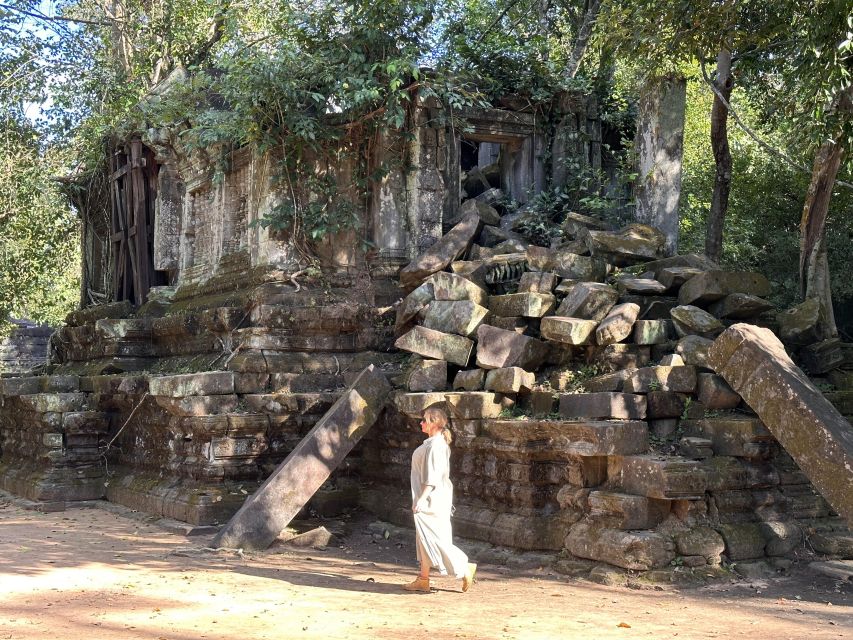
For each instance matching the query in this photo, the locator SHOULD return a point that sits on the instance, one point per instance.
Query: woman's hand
(419, 506)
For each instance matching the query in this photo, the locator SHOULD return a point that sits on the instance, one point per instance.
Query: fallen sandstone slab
(271, 508)
(498, 348)
(451, 245)
(436, 344)
(754, 362)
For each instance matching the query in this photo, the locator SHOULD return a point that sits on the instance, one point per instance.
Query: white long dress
(431, 466)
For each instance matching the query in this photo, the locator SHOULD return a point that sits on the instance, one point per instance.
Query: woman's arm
(420, 502)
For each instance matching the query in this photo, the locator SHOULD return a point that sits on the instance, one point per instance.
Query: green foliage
(766, 200)
(39, 250)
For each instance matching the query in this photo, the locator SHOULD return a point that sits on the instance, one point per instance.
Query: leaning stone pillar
(277, 501)
(753, 361)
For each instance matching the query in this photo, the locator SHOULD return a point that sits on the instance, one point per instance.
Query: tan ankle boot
(468, 580)
(418, 584)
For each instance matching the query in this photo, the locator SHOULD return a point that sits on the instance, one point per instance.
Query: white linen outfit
(431, 466)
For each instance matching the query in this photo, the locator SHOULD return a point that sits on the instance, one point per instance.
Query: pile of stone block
(52, 439)
(586, 414)
(25, 347)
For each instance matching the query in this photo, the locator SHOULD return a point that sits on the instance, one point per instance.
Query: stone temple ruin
(608, 401)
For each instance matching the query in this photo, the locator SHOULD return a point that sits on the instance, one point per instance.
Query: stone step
(626, 511)
(605, 405)
(636, 550)
(556, 439)
(209, 383)
(662, 477)
(322, 319)
(53, 402)
(741, 437)
(28, 385)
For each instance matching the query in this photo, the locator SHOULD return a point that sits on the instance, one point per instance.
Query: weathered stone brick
(209, 383)
(498, 348)
(690, 320)
(451, 286)
(588, 301)
(715, 393)
(736, 436)
(626, 511)
(470, 380)
(528, 305)
(460, 317)
(537, 282)
(710, 286)
(509, 380)
(652, 331)
(659, 476)
(427, 375)
(679, 379)
(619, 406)
(636, 550)
(617, 324)
(572, 331)
(437, 345)
(739, 305)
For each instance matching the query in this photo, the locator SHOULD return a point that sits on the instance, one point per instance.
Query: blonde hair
(437, 415)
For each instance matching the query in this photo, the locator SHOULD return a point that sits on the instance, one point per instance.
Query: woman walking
(432, 505)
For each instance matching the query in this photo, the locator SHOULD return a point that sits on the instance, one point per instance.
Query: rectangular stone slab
(435, 344)
(528, 305)
(560, 439)
(277, 501)
(498, 348)
(730, 436)
(662, 477)
(442, 253)
(208, 383)
(753, 361)
(459, 317)
(619, 406)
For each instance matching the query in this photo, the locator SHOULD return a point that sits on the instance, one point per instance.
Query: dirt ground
(95, 573)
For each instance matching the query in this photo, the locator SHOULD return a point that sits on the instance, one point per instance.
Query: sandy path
(93, 574)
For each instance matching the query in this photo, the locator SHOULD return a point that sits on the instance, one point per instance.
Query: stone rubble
(590, 413)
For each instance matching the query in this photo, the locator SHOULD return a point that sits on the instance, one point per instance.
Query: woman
(432, 504)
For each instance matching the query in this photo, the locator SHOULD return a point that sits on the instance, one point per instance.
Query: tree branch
(41, 16)
(764, 145)
(496, 21)
(582, 39)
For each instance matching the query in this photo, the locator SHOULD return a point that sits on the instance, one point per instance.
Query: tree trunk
(722, 158)
(814, 268)
(582, 38)
(544, 27)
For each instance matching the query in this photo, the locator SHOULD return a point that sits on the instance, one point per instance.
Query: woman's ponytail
(448, 435)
